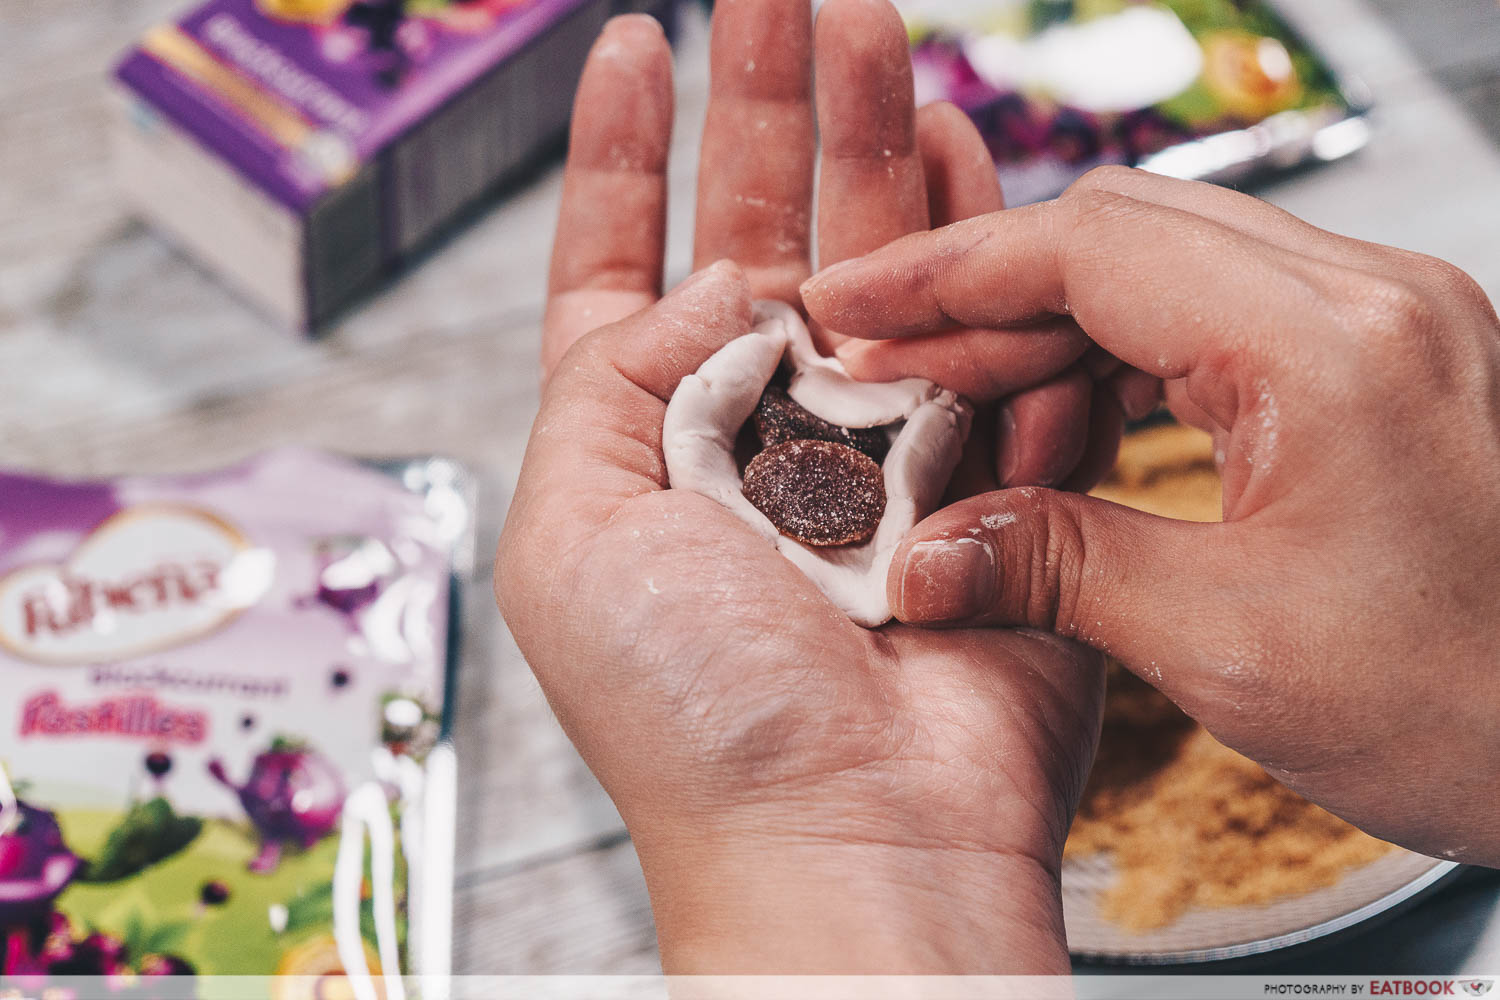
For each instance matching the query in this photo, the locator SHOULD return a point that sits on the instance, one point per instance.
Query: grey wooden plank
(583, 914)
(1428, 180)
(1463, 34)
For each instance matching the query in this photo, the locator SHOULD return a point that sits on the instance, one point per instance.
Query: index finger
(1155, 286)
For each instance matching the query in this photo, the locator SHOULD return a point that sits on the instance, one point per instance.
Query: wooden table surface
(119, 355)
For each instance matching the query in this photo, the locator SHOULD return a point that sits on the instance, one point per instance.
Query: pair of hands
(807, 795)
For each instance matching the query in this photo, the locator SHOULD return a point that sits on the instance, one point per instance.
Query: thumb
(1160, 595)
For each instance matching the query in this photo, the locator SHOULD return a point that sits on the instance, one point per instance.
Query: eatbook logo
(1476, 987)
(148, 578)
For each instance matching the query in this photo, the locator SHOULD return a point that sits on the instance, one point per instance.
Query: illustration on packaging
(220, 694)
(1059, 86)
(386, 38)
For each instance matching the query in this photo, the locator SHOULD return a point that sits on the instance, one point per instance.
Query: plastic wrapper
(1200, 89)
(228, 698)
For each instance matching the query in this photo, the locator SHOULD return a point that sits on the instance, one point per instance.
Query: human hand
(1338, 626)
(804, 794)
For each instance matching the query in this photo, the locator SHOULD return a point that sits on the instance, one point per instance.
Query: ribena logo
(139, 716)
(82, 599)
(148, 578)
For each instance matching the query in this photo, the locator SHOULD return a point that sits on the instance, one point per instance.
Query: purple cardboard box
(304, 148)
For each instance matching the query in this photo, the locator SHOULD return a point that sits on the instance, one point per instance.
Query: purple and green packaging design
(225, 751)
(306, 148)
(1202, 89)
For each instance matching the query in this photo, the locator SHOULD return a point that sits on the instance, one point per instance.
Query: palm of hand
(702, 677)
(760, 690)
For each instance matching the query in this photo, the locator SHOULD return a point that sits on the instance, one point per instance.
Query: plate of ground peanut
(1183, 850)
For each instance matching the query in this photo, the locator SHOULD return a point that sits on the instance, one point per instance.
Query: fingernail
(614, 40)
(640, 20)
(1010, 455)
(947, 580)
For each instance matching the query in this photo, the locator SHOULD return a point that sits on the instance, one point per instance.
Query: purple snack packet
(228, 695)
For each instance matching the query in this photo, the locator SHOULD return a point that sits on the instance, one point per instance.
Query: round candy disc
(818, 492)
(779, 417)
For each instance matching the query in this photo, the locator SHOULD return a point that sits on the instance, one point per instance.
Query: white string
(366, 811)
(436, 903)
(409, 779)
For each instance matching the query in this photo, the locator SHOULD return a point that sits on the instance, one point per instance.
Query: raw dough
(710, 407)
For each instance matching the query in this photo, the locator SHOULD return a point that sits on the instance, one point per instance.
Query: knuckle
(1111, 177)
(591, 353)
(1456, 285)
(1420, 335)
(1094, 225)
(1447, 283)
(1405, 313)
(1396, 326)
(1052, 599)
(1092, 205)
(587, 369)
(1246, 676)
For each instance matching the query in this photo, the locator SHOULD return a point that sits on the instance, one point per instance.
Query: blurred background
(123, 350)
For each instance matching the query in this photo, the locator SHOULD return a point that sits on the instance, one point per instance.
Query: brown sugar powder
(1185, 820)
